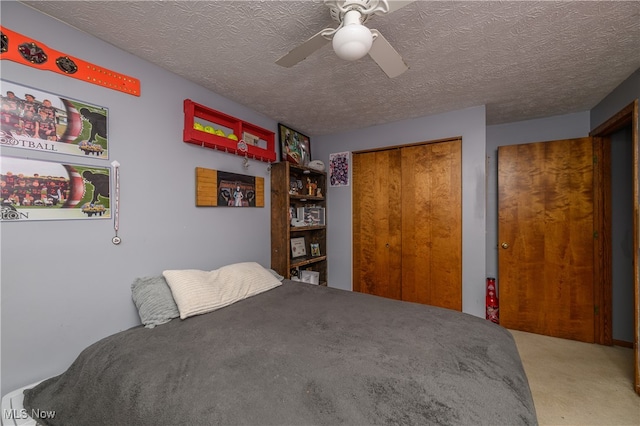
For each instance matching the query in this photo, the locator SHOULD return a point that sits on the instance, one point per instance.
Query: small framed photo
(294, 146)
(315, 249)
(298, 247)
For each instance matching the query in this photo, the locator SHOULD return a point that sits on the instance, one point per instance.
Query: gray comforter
(298, 354)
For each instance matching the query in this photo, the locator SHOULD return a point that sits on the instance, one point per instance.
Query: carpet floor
(576, 383)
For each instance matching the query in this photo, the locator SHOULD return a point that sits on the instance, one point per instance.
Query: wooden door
(407, 223)
(546, 238)
(432, 224)
(377, 226)
(628, 116)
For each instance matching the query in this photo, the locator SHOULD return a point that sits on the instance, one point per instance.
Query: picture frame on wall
(50, 190)
(37, 120)
(295, 147)
(339, 169)
(215, 188)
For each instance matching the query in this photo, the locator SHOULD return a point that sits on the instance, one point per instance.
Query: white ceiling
(521, 59)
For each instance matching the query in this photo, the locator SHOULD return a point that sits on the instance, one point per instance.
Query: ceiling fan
(351, 39)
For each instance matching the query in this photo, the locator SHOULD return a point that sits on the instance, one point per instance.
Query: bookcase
(299, 222)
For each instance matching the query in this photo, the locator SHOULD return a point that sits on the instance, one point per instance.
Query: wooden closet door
(377, 223)
(432, 224)
(407, 223)
(546, 238)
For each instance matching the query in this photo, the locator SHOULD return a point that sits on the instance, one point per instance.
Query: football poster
(45, 190)
(36, 120)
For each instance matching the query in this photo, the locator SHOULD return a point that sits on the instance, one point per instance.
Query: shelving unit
(195, 113)
(284, 202)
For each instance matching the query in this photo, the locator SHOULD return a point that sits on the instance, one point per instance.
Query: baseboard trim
(623, 343)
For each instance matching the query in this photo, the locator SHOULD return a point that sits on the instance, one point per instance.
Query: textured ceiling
(521, 59)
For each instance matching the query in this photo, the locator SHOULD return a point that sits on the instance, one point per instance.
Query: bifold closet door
(377, 226)
(432, 224)
(407, 223)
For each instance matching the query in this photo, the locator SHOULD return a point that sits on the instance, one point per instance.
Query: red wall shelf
(194, 112)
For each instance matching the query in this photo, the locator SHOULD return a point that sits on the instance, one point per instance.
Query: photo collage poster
(36, 120)
(45, 190)
(31, 189)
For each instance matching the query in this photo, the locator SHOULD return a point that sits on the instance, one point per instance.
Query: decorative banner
(41, 121)
(44, 190)
(339, 169)
(32, 53)
(215, 188)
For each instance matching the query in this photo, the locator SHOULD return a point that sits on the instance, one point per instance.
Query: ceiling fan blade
(305, 49)
(386, 56)
(398, 4)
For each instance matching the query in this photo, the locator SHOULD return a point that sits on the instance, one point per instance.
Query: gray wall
(622, 234)
(620, 97)
(53, 301)
(468, 123)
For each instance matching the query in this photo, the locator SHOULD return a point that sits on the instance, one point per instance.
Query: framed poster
(294, 146)
(215, 188)
(339, 169)
(45, 190)
(41, 121)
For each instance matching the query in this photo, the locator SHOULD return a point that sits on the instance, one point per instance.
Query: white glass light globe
(352, 42)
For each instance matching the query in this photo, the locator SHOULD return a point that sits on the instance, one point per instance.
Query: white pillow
(198, 292)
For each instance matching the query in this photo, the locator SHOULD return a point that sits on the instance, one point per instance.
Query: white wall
(470, 125)
(64, 285)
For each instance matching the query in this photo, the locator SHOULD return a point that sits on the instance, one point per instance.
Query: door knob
(505, 245)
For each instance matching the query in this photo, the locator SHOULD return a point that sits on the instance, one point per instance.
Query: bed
(296, 354)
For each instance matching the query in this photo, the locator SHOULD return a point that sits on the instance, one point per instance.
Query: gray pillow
(154, 301)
